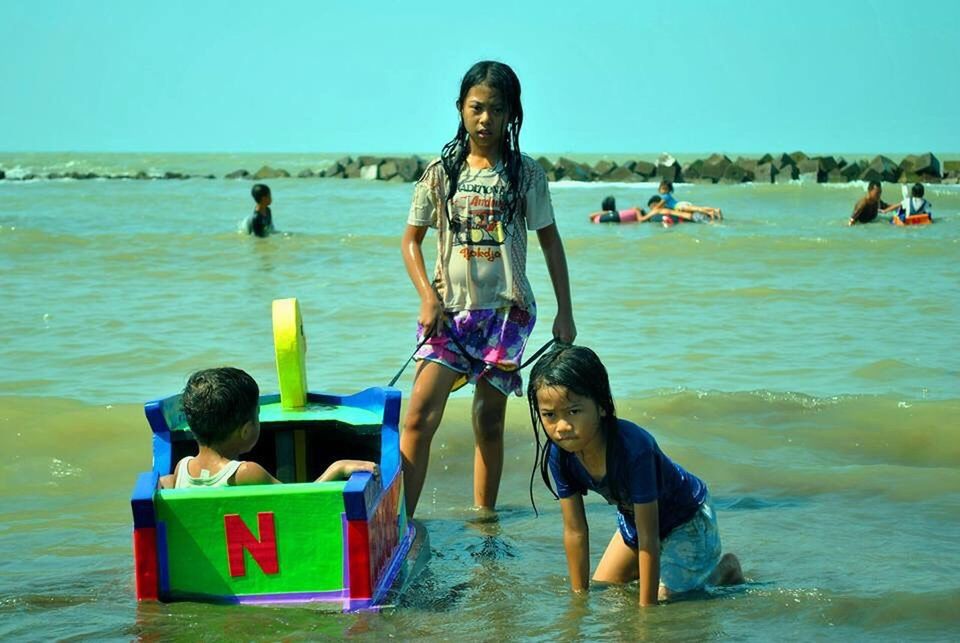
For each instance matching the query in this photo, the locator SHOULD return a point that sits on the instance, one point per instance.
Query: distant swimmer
(867, 208)
(609, 214)
(260, 223)
(912, 205)
(660, 213)
(666, 193)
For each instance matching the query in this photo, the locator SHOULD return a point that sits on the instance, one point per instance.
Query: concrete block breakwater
(718, 168)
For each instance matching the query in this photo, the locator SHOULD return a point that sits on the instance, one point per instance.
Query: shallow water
(807, 371)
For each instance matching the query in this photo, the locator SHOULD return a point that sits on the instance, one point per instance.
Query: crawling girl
(666, 533)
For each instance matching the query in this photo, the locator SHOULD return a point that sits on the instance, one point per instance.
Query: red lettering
(263, 549)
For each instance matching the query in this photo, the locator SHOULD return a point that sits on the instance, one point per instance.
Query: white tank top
(221, 479)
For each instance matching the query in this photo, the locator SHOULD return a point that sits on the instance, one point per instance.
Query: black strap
(407, 363)
(467, 355)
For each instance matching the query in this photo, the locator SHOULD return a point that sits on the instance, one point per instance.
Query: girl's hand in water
(564, 329)
(431, 316)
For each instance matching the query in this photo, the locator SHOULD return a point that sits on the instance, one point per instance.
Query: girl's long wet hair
(580, 371)
(500, 77)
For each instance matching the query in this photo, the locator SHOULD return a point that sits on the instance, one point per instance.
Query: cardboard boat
(347, 544)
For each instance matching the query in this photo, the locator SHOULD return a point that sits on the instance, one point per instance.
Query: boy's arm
(253, 473)
(431, 310)
(857, 211)
(647, 519)
(343, 469)
(564, 328)
(576, 541)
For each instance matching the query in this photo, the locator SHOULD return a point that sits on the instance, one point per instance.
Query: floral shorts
(493, 341)
(689, 553)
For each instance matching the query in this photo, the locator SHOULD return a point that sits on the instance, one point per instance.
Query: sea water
(806, 370)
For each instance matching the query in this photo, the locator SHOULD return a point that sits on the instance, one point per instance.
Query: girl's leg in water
(489, 410)
(431, 388)
(620, 563)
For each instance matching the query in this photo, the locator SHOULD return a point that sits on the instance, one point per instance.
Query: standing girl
(667, 533)
(481, 195)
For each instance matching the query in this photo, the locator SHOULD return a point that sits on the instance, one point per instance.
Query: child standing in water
(481, 195)
(667, 533)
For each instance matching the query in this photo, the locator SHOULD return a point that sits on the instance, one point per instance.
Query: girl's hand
(564, 329)
(431, 316)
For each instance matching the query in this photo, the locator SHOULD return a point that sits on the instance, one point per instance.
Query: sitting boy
(867, 208)
(222, 407)
(911, 205)
(260, 223)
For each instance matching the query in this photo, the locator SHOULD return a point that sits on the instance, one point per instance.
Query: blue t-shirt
(645, 474)
(669, 200)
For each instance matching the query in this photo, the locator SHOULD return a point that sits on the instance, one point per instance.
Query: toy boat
(347, 544)
(913, 219)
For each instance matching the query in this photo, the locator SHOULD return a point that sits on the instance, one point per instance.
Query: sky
(598, 77)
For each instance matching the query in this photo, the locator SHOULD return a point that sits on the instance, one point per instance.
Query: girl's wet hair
(654, 199)
(917, 190)
(579, 371)
(609, 204)
(666, 184)
(499, 77)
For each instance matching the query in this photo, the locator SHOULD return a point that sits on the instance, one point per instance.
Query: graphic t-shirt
(481, 259)
(645, 474)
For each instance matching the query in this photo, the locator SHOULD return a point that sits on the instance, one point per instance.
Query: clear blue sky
(604, 76)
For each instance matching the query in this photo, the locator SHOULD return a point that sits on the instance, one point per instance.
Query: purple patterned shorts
(494, 340)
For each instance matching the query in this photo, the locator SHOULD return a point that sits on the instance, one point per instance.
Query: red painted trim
(358, 544)
(145, 563)
(239, 538)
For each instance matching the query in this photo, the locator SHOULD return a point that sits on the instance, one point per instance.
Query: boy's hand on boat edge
(343, 469)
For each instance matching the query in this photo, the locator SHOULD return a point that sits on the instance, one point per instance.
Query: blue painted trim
(163, 559)
(141, 501)
(356, 495)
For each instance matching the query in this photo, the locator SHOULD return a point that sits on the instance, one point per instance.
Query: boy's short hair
(259, 191)
(873, 184)
(667, 184)
(654, 199)
(609, 204)
(917, 190)
(218, 401)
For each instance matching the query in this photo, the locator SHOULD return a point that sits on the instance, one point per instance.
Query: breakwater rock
(717, 168)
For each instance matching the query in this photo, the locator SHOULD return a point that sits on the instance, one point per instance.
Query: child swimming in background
(866, 209)
(660, 212)
(260, 223)
(667, 533)
(666, 193)
(477, 311)
(608, 213)
(913, 204)
(221, 406)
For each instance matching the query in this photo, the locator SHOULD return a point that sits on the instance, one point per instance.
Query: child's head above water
(874, 188)
(917, 190)
(218, 402)
(261, 192)
(491, 116)
(654, 200)
(609, 204)
(666, 187)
